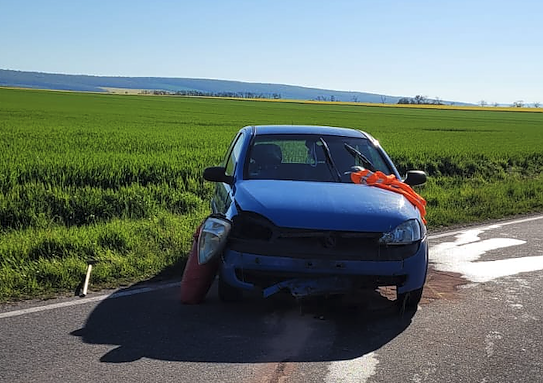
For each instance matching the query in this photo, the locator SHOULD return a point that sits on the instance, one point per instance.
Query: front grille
(253, 233)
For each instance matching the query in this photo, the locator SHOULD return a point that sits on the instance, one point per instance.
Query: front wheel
(410, 300)
(228, 293)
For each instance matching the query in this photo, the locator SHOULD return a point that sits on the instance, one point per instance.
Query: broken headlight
(213, 235)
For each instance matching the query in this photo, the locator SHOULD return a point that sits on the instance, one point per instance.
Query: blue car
(286, 216)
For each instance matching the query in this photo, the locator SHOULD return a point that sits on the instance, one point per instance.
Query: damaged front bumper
(304, 277)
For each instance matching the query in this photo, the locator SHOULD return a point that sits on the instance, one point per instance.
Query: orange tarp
(381, 180)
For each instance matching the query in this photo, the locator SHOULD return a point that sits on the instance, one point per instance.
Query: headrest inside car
(269, 154)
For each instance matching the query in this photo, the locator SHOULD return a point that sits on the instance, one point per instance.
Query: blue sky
(455, 50)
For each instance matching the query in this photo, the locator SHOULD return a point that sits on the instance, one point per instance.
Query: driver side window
(233, 156)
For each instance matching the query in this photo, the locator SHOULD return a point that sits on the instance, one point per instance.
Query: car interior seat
(265, 159)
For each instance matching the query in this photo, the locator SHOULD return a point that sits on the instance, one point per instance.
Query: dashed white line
(357, 370)
(489, 342)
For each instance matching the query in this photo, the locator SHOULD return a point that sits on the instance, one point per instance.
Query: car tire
(228, 293)
(410, 300)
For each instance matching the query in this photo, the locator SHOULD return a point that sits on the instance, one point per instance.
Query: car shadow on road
(156, 325)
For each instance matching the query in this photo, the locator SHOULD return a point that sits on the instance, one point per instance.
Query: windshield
(310, 157)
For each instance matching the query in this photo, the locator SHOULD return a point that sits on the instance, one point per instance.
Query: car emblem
(330, 241)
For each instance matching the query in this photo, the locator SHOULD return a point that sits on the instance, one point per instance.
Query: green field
(117, 178)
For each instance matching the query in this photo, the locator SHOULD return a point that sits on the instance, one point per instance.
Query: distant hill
(86, 83)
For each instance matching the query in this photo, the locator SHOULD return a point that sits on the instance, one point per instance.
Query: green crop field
(117, 178)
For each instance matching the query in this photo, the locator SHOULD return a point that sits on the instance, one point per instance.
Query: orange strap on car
(391, 183)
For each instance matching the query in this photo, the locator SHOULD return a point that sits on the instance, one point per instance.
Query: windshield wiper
(355, 153)
(331, 165)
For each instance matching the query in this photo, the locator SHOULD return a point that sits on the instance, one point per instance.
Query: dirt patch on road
(442, 285)
(439, 285)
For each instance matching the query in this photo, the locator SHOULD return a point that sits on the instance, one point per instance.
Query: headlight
(213, 235)
(406, 233)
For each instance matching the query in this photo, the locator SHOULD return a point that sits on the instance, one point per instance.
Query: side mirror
(415, 177)
(217, 174)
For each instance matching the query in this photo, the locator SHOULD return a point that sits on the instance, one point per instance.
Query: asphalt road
(480, 321)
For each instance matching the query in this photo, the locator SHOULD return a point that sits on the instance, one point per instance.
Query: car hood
(324, 205)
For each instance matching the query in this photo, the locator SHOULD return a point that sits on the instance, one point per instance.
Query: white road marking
(462, 256)
(484, 228)
(357, 370)
(489, 342)
(424, 376)
(83, 301)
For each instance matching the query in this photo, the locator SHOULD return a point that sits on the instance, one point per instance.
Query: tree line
(275, 96)
(420, 100)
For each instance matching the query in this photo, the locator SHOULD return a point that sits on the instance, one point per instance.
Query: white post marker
(87, 279)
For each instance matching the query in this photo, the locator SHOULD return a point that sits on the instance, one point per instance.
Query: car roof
(308, 129)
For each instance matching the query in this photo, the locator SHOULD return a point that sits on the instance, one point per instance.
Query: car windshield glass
(303, 157)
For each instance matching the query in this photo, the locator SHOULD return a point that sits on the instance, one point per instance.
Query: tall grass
(118, 178)
(41, 261)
